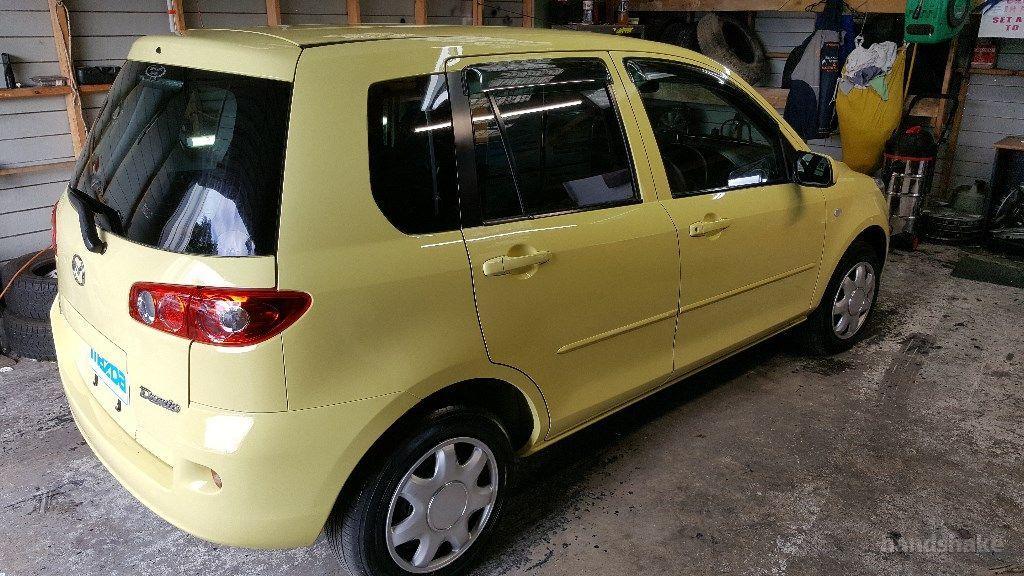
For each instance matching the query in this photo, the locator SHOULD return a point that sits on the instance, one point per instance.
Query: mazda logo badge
(78, 269)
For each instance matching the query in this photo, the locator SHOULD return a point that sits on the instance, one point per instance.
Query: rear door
(574, 262)
(191, 161)
(750, 239)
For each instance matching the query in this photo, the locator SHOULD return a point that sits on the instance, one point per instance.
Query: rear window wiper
(88, 209)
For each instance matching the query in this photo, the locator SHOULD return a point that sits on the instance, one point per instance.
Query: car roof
(473, 39)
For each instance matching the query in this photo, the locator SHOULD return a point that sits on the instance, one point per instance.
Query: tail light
(218, 316)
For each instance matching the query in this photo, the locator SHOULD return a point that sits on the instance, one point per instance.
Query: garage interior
(901, 456)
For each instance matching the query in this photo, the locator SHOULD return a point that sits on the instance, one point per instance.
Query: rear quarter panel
(392, 314)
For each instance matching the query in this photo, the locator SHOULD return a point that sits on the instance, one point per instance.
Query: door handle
(705, 227)
(503, 265)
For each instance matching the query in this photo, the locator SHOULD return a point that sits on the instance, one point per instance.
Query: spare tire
(735, 46)
(31, 294)
(680, 33)
(28, 338)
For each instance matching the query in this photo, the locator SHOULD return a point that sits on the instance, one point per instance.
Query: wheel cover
(853, 300)
(442, 505)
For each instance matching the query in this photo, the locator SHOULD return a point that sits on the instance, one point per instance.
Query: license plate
(111, 376)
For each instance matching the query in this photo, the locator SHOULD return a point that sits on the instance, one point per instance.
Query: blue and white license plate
(111, 376)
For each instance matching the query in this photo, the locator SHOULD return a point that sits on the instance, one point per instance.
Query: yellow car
(340, 278)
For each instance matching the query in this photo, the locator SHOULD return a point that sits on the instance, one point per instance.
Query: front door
(750, 239)
(574, 262)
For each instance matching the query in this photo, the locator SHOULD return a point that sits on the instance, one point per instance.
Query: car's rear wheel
(430, 504)
(849, 301)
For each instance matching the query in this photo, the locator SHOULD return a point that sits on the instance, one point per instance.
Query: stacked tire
(26, 306)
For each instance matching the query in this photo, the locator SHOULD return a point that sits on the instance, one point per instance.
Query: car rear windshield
(191, 160)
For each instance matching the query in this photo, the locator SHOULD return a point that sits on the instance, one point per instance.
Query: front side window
(412, 153)
(547, 138)
(191, 160)
(710, 136)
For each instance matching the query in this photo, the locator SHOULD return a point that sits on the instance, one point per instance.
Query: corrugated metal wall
(35, 130)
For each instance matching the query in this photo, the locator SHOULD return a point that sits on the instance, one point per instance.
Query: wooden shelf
(45, 91)
(997, 72)
(58, 165)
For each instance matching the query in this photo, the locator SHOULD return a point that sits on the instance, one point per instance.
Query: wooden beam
(177, 16)
(49, 91)
(528, 12)
(354, 16)
(875, 6)
(61, 164)
(273, 12)
(478, 13)
(420, 11)
(62, 42)
(775, 96)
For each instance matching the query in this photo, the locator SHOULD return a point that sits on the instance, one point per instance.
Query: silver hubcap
(853, 300)
(442, 504)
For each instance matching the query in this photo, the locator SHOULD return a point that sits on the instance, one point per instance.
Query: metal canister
(908, 179)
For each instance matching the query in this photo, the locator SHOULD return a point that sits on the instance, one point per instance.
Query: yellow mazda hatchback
(340, 278)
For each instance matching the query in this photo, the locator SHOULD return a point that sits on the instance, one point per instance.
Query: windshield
(191, 160)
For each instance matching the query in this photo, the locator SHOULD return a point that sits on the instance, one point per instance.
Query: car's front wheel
(849, 300)
(429, 505)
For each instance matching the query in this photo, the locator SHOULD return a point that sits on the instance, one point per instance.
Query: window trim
(785, 148)
(462, 123)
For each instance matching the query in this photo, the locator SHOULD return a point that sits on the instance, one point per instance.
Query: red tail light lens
(219, 316)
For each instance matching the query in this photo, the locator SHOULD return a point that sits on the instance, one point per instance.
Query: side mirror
(813, 170)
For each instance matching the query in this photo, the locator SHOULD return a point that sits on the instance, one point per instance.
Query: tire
(680, 33)
(358, 527)
(735, 46)
(28, 337)
(32, 292)
(821, 333)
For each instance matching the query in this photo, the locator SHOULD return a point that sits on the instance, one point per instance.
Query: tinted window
(191, 160)
(710, 136)
(547, 138)
(412, 154)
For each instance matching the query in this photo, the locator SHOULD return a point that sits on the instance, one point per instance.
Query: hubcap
(853, 300)
(441, 505)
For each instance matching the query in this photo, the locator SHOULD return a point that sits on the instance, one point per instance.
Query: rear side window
(547, 138)
(412, 154)
(191, 160)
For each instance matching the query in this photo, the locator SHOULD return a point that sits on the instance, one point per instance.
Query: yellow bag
(866, 121)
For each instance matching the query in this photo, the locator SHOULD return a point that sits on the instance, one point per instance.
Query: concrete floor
(890, 459)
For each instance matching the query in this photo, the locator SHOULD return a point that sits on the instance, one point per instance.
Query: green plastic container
(934, 21)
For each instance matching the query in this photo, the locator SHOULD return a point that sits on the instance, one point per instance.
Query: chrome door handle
(512, 264)
(706, 227)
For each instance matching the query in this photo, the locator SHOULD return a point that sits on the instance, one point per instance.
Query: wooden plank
(354, 16)
(59, 21)
(997, 72)
(176, 12)
(775, 96)
(63, 164)
(34, 91)
(420, 11)
(528, 13)
(478, 12)
(273, 12)
(1010, 143)
(873, 6)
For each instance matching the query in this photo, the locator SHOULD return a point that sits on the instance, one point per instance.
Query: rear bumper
(281, 471)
